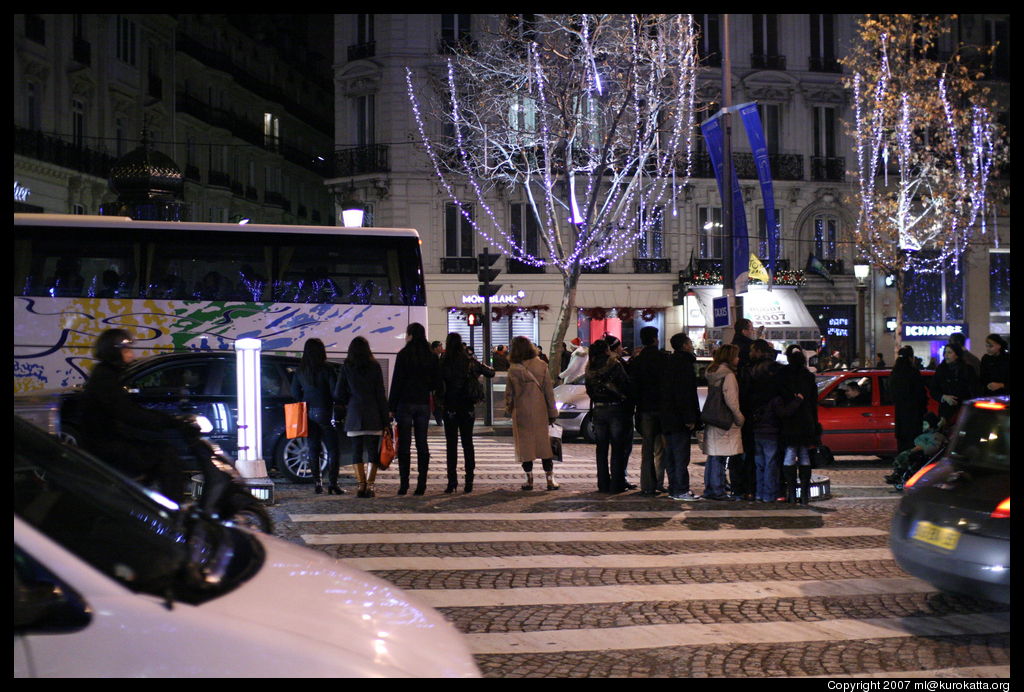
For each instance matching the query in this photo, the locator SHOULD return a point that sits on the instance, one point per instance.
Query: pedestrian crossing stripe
(615, 561)
(692, 634)
(477, 517)
(585, 536)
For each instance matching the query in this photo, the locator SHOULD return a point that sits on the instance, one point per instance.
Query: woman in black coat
(314, 383)
(799, 429)
(953, 383)
(360, 389)
(995, 367)
(679, 413)
(461, 390)
(417, 376)
(611, 410)
(909, 398)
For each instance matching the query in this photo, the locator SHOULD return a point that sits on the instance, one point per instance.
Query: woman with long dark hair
(417, 375)
(953, 383)
(995, 367)
(360, 389)
(314, 383)
(608, 387)
(530, 402)
(461, 391)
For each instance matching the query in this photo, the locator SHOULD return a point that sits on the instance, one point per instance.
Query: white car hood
(326, 601)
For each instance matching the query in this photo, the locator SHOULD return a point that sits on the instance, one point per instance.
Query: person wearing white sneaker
(685, 497)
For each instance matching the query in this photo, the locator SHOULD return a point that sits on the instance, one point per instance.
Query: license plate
(940, 537)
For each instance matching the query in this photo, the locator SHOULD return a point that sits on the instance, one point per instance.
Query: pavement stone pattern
(859, 500)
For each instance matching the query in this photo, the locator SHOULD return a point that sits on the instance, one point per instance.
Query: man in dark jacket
(763, 394)
(741, 468)
(909, 398)
(122, 433)
(679, 413)
(646, 371)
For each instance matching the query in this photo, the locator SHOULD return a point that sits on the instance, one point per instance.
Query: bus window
(205, 269)
(60, 266)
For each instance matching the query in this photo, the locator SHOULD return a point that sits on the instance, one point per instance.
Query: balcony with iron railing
(783, 166)
(819, 64)
(760, 61)
(361, 160)
(36, 145)
(652, 265)
(218, 179)
(518, 267)
(458, 265)
(828, 168)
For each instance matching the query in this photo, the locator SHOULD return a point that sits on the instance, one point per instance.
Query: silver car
(573, 403)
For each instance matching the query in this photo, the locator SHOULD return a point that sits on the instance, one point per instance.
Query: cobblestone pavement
(572, 583)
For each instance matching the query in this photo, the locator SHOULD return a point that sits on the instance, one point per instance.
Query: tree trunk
(900, 284)
(566, 311)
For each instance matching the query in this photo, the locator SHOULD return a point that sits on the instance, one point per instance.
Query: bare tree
(588, 117)
(926, 144)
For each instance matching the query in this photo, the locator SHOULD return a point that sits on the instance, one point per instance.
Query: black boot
(805, 484)
(403, 475)
(789, 480)
(467, 487)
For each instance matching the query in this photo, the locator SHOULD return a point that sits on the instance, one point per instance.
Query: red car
(859, 422)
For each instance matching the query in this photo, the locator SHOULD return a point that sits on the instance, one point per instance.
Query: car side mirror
(828, 402)
(42, 604)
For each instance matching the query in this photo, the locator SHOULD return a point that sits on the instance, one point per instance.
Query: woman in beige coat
(530, 401)
(721, 444)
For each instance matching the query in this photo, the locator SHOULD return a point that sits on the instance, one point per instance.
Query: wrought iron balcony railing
(360, 160)
(828, 168)
(458, 265)
(652, 265)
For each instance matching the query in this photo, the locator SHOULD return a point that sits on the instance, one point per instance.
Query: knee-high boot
(422, 466)
(403, 474)
(370, 479)
(805, 484)
(789, 479)
(360, 472)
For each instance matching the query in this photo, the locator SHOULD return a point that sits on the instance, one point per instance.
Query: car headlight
(564, 405)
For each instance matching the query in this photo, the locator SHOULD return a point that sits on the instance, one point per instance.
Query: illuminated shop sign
(21, 192)
(932, 332)
(890, 324)
(838, 326)
(499, 299)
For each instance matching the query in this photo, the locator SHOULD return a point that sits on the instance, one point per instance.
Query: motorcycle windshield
(131, 534)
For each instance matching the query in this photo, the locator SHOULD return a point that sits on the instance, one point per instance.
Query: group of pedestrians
(960, 376)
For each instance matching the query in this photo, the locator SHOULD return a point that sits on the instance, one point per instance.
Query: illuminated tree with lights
(588, 117)
(926, 144)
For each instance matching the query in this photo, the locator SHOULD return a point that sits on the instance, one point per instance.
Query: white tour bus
(183, 286)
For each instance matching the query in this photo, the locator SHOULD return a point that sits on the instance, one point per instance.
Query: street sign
(720, 309)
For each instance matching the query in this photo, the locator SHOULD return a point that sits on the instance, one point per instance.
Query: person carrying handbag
(799, 431)
(360, 388)
(314, 384)
(416, 377)
(721, 444)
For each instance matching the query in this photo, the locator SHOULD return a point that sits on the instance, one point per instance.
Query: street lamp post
(861, 271)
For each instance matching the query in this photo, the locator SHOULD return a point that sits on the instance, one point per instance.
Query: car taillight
(917, 476)
(1002, 511)
(990, 405)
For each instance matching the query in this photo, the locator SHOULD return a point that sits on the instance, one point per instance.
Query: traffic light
(473, 319)
(486, 273)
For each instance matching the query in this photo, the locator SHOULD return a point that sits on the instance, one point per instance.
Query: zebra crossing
(559, 589)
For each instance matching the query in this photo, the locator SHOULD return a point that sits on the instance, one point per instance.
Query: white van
(114, 580)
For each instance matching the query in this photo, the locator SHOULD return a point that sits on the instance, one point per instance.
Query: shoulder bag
(387, 447)
(715, 411)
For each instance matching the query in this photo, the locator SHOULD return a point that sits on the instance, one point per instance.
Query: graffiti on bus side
(54, 336)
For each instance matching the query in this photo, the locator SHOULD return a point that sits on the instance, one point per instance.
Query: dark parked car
(203, 383)
(952, 528)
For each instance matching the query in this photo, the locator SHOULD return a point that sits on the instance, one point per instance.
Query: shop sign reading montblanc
(21, 192)
(498, 299)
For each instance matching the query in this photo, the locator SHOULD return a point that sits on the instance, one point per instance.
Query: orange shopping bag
(296, 423)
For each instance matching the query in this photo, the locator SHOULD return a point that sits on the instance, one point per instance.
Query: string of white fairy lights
(940, 221)
(605, 229)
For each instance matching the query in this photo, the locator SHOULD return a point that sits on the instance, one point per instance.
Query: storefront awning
(781, 311)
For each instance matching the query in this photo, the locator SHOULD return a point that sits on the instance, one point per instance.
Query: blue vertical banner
(755, 135)
(714, 137)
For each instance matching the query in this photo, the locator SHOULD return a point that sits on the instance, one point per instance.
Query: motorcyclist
(124, 434)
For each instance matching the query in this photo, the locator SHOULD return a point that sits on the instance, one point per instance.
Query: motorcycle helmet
(109, 344)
